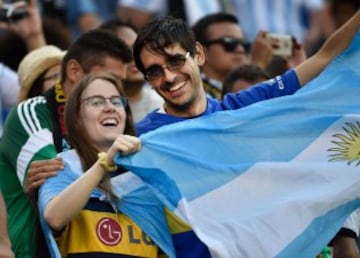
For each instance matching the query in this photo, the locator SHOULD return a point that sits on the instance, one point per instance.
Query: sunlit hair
(76, 133)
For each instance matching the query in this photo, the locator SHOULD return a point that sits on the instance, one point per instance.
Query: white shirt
(353, 222)
(149, 101)
(9, 90)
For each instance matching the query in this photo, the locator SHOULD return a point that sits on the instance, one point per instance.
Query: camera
(9, 13)
(282, 44)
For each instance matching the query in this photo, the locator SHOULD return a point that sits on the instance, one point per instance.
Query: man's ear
(74, 71)
(199, 54)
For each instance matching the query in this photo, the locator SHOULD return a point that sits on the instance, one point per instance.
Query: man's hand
(261, 50)
(6, 252)
(39, 171)
(297, 57)
(29, 27)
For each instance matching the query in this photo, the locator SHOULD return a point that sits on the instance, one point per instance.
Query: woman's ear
(199, 54)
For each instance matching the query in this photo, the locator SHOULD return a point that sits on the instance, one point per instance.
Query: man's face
(128, 36)
(113, 65)
(75, 73)
(219, 58)
(176, 76)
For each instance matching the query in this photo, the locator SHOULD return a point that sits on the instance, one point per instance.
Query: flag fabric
(275, 179)
(135, 199)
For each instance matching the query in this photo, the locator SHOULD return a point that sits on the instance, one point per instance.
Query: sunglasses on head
(229, 44)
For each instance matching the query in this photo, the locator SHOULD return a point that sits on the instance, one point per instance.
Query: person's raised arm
(30, 27)
(335, 44)
(62, 208)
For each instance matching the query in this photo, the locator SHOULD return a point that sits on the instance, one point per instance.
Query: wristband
(102, 159)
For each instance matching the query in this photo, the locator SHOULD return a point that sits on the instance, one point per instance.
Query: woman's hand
(125, 144)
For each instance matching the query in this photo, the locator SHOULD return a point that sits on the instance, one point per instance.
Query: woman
(79, 206)
(39, 70)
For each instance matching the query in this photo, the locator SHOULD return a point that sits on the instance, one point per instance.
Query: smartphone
(282, 44)
(10, 14)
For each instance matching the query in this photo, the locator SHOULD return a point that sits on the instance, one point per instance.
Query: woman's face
(50, 77)
(102, 120)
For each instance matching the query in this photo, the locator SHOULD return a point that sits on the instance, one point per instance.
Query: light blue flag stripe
(296, 136)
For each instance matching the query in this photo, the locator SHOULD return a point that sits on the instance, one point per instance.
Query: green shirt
(27, 136)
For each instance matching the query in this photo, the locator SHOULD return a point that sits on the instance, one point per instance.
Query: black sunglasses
(230, 44)
(174, 62)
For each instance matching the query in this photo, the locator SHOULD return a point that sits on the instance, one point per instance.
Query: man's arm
(27, 137)
(345, 247)
(30, 27)
(38, 172)
(345, 242)
(5, 244)
(336, 43)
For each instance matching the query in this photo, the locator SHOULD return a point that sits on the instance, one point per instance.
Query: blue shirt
(283, 85)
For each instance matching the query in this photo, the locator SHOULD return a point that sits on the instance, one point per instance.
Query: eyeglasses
(99, 102)
(174, 62)
(229, 44)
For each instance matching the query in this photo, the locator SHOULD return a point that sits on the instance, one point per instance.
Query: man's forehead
(168, 51)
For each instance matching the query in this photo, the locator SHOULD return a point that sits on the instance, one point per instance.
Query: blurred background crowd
(309, 22)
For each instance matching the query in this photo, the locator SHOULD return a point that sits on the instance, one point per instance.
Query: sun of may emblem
(348, 144)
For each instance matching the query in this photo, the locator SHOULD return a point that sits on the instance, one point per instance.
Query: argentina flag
(275, 179)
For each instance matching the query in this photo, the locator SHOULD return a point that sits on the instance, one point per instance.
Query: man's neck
(193, 110)
(133, 90)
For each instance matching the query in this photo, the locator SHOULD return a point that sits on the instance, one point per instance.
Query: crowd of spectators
(48, 47)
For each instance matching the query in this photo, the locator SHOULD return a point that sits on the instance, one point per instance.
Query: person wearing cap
(39, 70)
(34, 133)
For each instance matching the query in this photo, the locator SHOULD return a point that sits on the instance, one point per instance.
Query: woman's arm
(62, 208)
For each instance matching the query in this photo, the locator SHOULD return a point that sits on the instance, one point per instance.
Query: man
(226, 48)
(168, 55)
(35, 131)
(345, 243)
(166, 52)
(142, 99)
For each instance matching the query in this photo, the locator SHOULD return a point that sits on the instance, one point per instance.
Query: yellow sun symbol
(348, 145)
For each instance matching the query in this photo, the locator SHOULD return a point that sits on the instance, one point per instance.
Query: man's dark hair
(200, 28)
(91, 49)
(248, 72)
(162, 33)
